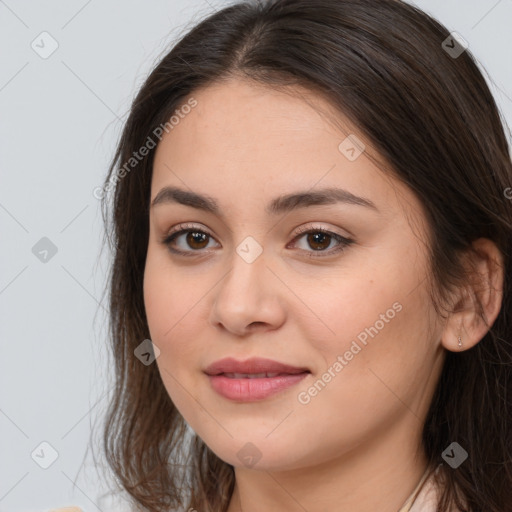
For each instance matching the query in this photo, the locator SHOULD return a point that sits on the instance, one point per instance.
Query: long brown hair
(426, 108)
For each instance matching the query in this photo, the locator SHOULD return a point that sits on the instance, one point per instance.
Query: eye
(319, 239)
(195, 238)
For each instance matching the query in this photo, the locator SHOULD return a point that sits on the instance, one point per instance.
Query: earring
(460, 341)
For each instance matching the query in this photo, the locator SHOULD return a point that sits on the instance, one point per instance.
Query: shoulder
(430, 494)
(427, 499)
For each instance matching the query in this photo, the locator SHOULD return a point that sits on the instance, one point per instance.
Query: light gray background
(60, 119)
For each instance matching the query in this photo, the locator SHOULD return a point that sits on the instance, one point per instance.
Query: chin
(260, 453)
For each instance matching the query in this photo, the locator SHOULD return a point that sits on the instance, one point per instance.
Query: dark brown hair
(431, 117)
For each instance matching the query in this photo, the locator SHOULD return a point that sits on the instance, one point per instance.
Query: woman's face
(256, 279)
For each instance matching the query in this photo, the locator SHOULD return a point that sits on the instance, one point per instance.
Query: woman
(311, 287)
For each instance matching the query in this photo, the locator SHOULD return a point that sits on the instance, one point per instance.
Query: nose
(249, 298)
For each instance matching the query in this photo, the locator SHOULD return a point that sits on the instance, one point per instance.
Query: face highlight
(267, 241)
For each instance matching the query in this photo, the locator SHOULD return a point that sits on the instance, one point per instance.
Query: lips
(252, 368)
(253, 380)
(262, 375)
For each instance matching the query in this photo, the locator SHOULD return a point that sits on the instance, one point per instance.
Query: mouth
(254, 379)
(264, 375)
(255, 367)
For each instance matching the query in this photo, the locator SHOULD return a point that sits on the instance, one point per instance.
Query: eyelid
(299, 231)
(187, 226)
(311, 227)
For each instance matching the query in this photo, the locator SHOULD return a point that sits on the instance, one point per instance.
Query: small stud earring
(460, 342)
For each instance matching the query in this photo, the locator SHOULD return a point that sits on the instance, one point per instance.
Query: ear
(478, 302)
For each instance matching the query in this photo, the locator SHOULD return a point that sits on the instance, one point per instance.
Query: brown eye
(318, 240)
(188, 242)
(196, 239)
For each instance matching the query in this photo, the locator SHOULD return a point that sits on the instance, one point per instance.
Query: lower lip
(251, 390)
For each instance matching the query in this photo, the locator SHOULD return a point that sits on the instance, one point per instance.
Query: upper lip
(253, 365)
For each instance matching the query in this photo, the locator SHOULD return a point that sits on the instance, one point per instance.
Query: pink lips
(253, 379)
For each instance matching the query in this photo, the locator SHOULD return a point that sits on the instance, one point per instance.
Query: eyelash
(187, 228)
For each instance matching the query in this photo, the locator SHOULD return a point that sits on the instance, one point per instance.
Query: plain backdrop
(68, 73)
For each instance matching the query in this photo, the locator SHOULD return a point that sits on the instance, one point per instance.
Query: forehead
(244, 142)
(245, 115)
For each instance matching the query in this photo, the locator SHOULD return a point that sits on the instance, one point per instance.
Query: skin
(356, 444)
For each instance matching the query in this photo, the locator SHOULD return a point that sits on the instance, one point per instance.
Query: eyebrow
(279, 205)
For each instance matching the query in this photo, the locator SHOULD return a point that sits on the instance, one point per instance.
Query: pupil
(194, 236)
(315, 241)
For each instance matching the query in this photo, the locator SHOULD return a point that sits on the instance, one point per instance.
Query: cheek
(168, 297)
(375, 318)
(367, 383)
(351, 308)
(176, 315)
(169, 305)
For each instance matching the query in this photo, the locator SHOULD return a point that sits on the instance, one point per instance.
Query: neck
(379, 474)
